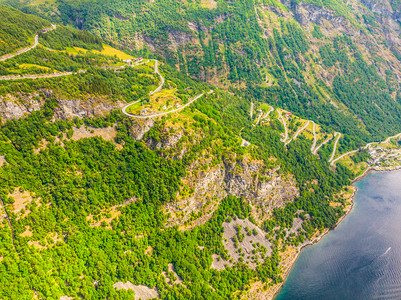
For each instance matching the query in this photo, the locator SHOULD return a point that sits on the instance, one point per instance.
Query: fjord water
(361, 258)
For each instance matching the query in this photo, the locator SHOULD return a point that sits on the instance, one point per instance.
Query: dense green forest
(74, 179)
(17, 30)
(82, 213)
(241, 43)
(55, 250)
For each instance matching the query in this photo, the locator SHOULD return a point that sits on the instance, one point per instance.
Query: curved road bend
(159, 114)
(367, 146)
(324, 143)
(263, 117)
(23, 50)
(298, 132)
(285, 127)
(312, 149)
(335, 146)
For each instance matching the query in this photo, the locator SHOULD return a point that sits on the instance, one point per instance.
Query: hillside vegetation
(330, 61)
(93, 199)
(17, 30)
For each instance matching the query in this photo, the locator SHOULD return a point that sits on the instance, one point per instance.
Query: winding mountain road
(23, 50)
(159, 114)
(335, 146)
(324, 143)
(298, 132)
(367, 146)
(285, 127)
(161, 79)
(312, 149)
(263, 117)
(158, 89)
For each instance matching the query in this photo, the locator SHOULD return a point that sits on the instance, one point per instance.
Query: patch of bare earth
(244, 241)
(108, 134)
(66, 298)
(108, 215)
(21, 200)
(51, 239)
(27, 232)
(2, 160)
(141, 291)
(172, 277)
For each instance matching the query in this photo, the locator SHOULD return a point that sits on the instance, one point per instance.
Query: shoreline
(277, 289)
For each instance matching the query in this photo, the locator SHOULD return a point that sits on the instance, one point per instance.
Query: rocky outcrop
(91, 107)
(177, 39)
(388, 18)
(12, 107)
(167, 141)
(247, 179)
(140, 127)
(19, 105)
(307, 12)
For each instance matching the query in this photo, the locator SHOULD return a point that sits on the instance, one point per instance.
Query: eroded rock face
(18, 106)
(307, 12)
(178, 39)
(70, 109)
(167, 141)
(269, 189)
(388, 18)
(246, 179)
(140, 127)
(14, 108)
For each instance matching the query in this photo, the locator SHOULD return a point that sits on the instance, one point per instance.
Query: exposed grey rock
(168, 140)
(140, 127)
(70, 109)
(15, 108)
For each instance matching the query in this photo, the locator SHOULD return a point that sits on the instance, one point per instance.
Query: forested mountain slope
(210, 201)
(17, 30)
(332, 61)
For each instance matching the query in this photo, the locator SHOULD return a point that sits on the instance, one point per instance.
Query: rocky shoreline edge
(276, 289)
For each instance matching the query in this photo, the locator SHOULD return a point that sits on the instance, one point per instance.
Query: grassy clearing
(39, 2)
(210, 4)
(357, 168)
(110, 51)
(75, 50)
(30, 66)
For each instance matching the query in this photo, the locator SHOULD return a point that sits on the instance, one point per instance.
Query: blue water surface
(361, 258)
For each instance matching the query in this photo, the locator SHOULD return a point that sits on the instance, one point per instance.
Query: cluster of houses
(386, 157)
(133, 61)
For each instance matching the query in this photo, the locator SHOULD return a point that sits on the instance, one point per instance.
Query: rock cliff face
(306, 12)
(388, 18)
(17, 106)
(140, 127)
(92, 107)
(12, 107)
(264, 189)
